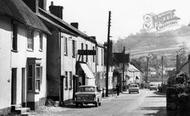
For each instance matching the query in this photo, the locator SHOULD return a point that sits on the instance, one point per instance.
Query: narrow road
(146, 103)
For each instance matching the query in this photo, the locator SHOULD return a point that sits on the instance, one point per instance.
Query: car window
(87, 89)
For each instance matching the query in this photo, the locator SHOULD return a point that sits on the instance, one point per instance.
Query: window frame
(70, 80)
(14, 37)
(38, 79)
(30, 38)
(86, 55)
(40, 41)
(73, 48)
(66, 80)
(65, 46)
(82, 48)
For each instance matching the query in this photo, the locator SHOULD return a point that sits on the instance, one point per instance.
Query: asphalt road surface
(146, 103)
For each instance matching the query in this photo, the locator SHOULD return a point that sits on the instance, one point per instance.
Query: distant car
(153, 87)
(133, 88)
(88, 95)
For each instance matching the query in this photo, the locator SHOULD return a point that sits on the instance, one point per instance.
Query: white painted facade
(68, 62)
(18, 60)
(5, 62)
(134, 74)
(100, 77)
(91, 59)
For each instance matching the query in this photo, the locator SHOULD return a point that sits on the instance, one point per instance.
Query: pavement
(43, 110)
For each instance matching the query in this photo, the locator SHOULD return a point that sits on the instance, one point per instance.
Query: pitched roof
(19, 11)
(64, 26)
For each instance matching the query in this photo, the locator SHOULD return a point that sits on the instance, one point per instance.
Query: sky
(126, 15)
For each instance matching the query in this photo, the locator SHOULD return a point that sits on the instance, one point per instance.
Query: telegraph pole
(162, 69)
(147, 69)
(123, 69)
(108, 54)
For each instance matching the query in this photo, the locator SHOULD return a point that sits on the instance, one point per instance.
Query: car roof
(87, 86)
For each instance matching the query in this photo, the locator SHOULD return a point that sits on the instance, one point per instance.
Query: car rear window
(87, 89)
(134, 85)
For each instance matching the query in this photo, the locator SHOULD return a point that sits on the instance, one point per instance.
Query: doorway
(13, 85)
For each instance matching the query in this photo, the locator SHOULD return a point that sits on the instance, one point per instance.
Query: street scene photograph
(94, 58)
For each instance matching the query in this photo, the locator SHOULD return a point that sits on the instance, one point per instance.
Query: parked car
(154, 85)
(133, 88)
(88, 95)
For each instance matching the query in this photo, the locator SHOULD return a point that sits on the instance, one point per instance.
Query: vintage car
(133, 88)
(88, 95)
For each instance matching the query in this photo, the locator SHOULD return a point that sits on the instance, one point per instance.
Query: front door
(13, 85)
(24, 93)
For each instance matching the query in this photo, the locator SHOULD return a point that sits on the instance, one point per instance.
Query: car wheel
(77, 104)
(96, 104)
(99, 104)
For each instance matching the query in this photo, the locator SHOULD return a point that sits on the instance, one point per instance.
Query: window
(41, 42)
(30, 39)
(14, 86)
(74, 48)
(65, 47)
(82, 49)
(86, 55)
(97, 56)
(93, 56)
(29, 80)
(14, 39)
(66, 80)
(71, 80)
(38, 78)
(102, 56)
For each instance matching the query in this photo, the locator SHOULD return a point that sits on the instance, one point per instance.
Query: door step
(18, 109)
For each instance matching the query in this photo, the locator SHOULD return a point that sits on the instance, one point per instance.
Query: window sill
(66, 88)
(14, 51)
(40, 50)
(70, 88)
(37, 92)
(30, 50)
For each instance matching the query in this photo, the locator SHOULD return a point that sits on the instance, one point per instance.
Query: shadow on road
(159, 93)
(80, 106)
(161, 111)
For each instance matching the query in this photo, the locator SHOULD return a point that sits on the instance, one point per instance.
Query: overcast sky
(127, 15)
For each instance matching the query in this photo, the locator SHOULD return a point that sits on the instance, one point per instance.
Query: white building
(23, 57)
(133, 74)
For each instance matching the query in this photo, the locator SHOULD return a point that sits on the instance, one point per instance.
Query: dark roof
(64, 26)
(18, 10)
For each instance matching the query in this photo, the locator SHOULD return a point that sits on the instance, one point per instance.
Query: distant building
(133, 74)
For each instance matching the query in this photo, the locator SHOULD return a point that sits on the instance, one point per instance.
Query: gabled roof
(18, 10)
(61, 24)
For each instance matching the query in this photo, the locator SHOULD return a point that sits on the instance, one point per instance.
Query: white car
(133, 88)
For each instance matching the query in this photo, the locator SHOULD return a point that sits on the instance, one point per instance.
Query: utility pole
(123, 69)
(177, 63)
(162, 60)
(108, 54)
(147, 69)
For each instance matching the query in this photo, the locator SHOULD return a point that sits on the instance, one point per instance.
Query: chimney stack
(75, 24)
(56, 10)
(35, 4)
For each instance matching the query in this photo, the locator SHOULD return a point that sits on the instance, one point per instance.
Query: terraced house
(23, 39)
(63, 71)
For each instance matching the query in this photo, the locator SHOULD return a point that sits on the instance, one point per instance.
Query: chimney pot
(75, 24)
(52, 3)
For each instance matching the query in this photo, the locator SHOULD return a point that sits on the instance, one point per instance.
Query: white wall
(68, 64)
(19, 60)
(5, 72)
